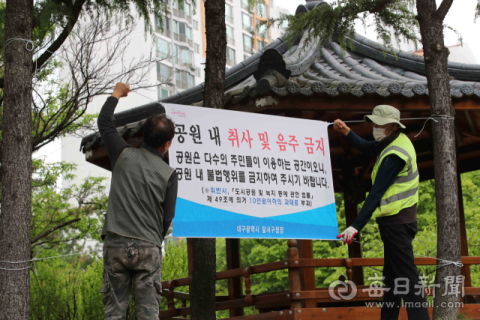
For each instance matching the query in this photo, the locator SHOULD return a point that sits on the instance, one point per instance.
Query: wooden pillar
(351, 211)
(463, 230)
(234, 284)
(190, 256)
(294, 281)
(307, 275)
(190, 264)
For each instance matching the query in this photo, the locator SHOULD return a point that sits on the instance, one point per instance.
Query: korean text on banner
(244, 175)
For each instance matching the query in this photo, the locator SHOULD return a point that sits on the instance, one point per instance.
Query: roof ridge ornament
(271, 59)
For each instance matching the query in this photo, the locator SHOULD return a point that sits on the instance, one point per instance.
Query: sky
(460, 17)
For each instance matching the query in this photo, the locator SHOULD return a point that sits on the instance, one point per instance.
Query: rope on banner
(39, 259)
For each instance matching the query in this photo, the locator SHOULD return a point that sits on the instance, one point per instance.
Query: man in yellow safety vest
(393, 202)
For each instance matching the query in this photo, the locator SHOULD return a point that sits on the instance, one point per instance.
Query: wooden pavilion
(317, 82)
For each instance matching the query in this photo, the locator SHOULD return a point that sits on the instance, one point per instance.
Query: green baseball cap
(384, 114)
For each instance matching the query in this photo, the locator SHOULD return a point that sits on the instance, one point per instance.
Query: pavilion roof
(323, 82)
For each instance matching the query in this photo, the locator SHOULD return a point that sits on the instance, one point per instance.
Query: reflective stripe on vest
(410, 175)
(398, 196)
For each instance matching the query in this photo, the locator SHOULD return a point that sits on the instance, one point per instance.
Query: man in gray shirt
(141, 207)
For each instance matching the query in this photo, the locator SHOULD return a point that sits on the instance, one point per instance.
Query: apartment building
(178, 41)
(241, 20)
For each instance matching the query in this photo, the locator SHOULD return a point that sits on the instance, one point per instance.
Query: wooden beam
(235, 283)
(307, 275)
(463, 231)
(351, 211)
(346, 103)
(293, 273)
(470, 311)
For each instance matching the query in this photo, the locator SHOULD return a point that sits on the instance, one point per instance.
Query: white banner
(246, 175)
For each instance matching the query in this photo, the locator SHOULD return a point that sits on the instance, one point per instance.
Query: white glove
(348, 235)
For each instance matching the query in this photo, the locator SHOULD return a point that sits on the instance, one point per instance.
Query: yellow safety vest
(403, 193)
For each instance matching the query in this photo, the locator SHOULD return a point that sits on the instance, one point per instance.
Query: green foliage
(65, 216)
(69, 288)
(337, 20)
(59, 103)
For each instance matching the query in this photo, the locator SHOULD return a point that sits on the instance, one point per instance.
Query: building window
(247, 43)
(197, 48)
(229, 13)
(184, 11)
(163, 93)
(284, 22)
(184, 80)
(261, 44)
(182, 32)
(183, 56)
(163, 49)
(230, 57)
(246, 5)
(195, 25)
(198, 72)
(163, 24)
(230, 36)
(262, 30)
(247, 22)
(164, 73)
(262, 10)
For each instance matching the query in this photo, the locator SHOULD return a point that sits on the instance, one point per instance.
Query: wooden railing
(295, 297)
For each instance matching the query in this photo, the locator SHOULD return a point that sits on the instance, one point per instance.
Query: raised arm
(364, 146)
(114, 143)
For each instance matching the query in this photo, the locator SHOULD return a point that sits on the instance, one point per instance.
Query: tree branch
(72, 20)
(49, 231)
(380, 6)
(443, 9)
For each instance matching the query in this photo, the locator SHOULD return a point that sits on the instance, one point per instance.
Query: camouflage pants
(131, 264)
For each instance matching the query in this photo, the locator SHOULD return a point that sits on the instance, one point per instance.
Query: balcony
(231, 41)
(182, 84)
(229, 19)
(185, 63)
(249, 29)
(246, 6)
(165, 32)
(182, 14)
(230, 62)
(248, 49)
(183, 38)
(167, 57)
(163, 78)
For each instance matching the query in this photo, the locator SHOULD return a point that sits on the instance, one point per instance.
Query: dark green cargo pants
(131, 264)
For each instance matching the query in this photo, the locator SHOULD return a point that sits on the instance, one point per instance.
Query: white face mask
(379, 133)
